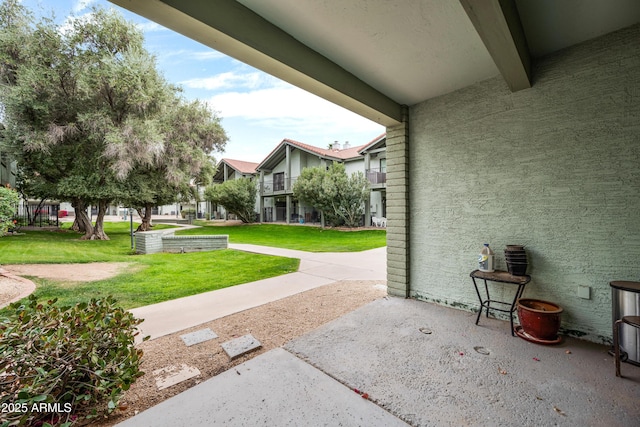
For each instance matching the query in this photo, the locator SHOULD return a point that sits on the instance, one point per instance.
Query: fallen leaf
(365, 396)
(536, 359)
(539, 398)
(502, 371)
(356, 390)
(461, 354)
(555, 408)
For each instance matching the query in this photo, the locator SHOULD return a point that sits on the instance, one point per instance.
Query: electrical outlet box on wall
(584, 292)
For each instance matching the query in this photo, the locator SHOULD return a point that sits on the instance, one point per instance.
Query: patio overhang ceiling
(374, 57)
(274, 158)
(219, 175)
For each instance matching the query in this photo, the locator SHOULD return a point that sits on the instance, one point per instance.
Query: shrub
(75, 362)
(8, 204)
(238, 196)
(188, 211)
(341, 198)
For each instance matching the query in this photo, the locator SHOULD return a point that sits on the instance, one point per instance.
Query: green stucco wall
(555, 167)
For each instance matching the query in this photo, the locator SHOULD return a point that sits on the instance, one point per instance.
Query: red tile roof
(343, 154)
(277, 153)
(241, 166)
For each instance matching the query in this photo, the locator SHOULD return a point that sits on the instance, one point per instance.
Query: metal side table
(500, 277)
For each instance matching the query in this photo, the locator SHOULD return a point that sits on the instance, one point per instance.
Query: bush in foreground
(58, 365)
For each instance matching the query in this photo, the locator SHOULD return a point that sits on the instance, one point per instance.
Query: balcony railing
(278, 186)
(376, 177)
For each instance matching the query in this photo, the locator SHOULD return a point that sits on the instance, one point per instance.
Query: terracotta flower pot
(539, 319)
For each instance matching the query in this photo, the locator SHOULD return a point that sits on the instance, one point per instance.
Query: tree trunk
(145, 217)
(98, 229)
(81, 223)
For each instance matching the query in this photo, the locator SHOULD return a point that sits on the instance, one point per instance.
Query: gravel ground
(273, 324)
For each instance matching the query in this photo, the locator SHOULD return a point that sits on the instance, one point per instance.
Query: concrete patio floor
(423, 379)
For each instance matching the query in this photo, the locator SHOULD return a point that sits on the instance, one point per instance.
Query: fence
(298, 215)
(38, 214)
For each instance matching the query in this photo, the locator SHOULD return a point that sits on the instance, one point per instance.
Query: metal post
(131, 225)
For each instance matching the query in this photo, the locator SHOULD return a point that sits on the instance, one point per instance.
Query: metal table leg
(475, 285)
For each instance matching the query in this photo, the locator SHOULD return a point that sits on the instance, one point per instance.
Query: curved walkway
(316, 269)
(13, 288)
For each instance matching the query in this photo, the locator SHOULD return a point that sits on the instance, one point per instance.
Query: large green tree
(338, 196)
(92, 116)
(191, 133)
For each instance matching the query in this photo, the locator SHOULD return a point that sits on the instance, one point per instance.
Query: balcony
(377, 178)
(277, 186)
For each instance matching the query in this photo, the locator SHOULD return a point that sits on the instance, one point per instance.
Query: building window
(278, 181)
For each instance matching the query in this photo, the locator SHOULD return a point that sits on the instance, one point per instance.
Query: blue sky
(257, 110)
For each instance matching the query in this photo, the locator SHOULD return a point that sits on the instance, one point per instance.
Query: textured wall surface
(398, 224)
(151, 242)
(555, 167)
(194, 243)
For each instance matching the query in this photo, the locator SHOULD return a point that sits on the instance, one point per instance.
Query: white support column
(261, 197)
(367, 207)
(288, 208)
(367, 211)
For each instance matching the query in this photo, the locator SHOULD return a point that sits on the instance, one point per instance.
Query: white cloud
(187, 55)
(81, 5)
(206, 55)
(227, 80)
(147, 27)
(292, 111)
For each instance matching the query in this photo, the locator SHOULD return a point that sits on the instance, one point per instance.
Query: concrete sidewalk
(316, 269)
(419, 363)
(274, 389)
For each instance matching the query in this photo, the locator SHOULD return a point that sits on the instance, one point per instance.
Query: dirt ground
(272, 324)
(71, 272)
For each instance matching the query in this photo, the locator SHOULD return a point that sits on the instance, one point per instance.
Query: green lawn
(304, 238)
(50, 247)
(161, 277)
(151, 278)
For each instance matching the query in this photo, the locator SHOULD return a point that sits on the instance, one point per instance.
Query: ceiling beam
(498, 25)
(233, 29)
